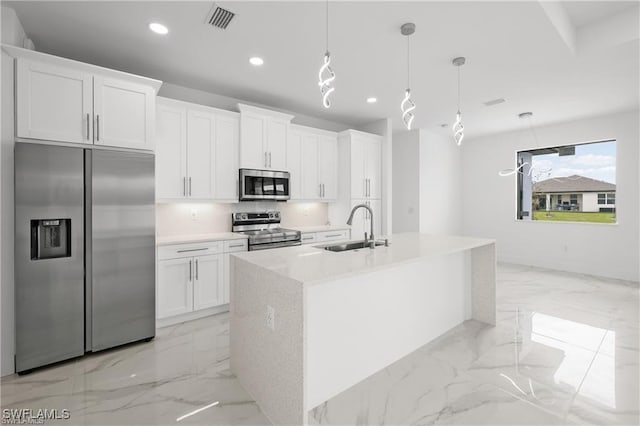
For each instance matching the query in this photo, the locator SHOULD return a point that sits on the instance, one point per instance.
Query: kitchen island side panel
(269, 363)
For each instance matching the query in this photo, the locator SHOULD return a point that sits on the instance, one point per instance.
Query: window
(571, 183)
(607, 198)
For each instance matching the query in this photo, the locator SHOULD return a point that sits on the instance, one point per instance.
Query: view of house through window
(572, 183)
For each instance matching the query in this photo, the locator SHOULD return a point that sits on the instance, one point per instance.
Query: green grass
(562, 216)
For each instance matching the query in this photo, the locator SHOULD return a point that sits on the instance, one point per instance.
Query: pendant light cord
(327, 17)
(458, 88)
(408, 63)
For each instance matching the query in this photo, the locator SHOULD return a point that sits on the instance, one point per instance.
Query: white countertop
(198, 238)
(309, 264)
(319, 228)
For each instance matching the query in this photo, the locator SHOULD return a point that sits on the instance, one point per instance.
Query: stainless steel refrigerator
(84, 251)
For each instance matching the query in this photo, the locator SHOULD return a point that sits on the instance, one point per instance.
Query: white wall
(406, 181)
(174, 219)
(440, 184)
(427, 183)
(489, 201)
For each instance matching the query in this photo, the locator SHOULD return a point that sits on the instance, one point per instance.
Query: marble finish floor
(565, 351)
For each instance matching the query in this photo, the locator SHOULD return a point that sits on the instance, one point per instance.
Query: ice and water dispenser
(50, 238)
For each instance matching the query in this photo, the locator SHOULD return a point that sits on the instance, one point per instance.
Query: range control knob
(270, 215)
(244, 216)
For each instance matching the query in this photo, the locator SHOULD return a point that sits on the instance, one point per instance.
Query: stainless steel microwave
(258, 185)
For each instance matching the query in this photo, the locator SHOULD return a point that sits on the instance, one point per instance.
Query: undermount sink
(350, 245)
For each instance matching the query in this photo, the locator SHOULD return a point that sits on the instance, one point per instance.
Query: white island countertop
(309, 264)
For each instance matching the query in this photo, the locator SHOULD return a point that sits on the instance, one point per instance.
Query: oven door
(263, 185)
(274, 245)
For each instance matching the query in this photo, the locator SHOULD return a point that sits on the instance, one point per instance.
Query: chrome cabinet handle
(196, 249)
(323, 190)
(184, 186)
(236, 245)
(190, 272)
(334, 235)
(269, 158)
(197, 269)
(307, 238)
(189, 186)
(88, 121)
(97, 128)
(320, 190)
(265, 158)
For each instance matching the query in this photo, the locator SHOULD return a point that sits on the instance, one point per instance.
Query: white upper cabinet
(62, 100)
(365, 165)
(124, 113)
(200, 153)
(312, 159)
(171, 150)
(227, 142)
(263, 138)
(196, 153)
(53, 103)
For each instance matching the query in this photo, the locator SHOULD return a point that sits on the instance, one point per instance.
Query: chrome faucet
(350, 220)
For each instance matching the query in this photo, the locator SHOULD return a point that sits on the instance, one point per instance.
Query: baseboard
(165, 322)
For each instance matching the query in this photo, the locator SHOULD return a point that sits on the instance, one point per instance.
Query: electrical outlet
(271, 318)
(194, 214)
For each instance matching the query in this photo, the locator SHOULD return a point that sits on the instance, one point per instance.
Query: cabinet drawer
(333, 235)
(309, 237)
(187, 250)
(233, 246)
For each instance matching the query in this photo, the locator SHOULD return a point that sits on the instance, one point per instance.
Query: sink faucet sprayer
(371, 213)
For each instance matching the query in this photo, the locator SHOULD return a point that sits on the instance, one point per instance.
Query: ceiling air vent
(219, 17)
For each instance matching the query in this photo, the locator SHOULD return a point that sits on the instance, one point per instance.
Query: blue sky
(595, 160)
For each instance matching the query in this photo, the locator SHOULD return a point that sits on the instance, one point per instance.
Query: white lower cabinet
(194, 277)
(175, 290)
(208, 280)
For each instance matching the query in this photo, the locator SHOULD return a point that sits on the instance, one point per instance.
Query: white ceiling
(513, 51)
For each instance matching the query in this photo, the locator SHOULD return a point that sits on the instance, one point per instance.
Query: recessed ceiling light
(158, 28)
(256, 61)
(372, 100)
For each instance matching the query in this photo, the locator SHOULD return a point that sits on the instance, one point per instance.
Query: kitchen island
(307, 323)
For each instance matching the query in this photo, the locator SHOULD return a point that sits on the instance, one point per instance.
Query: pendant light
(326, 74)
(407, 105)
(458, 128)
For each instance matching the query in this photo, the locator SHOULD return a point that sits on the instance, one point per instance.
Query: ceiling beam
(559, 18)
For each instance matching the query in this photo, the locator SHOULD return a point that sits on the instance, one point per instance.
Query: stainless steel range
(263, 230)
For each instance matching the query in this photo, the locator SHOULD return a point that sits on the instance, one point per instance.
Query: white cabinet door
(53, 103)
(342, 234)
(374, 167)
(328, 167)
(207, 284)
(175, 287)
(277, 134)
(124, 113)
(253, 130)
(311, 189)
(227, 152)
(200, 153)
(171, 151)
(294, 163)
(358, 169)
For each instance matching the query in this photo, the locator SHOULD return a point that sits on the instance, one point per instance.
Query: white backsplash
(174, 219)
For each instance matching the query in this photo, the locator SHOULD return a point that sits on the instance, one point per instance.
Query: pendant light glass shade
(325, 82)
